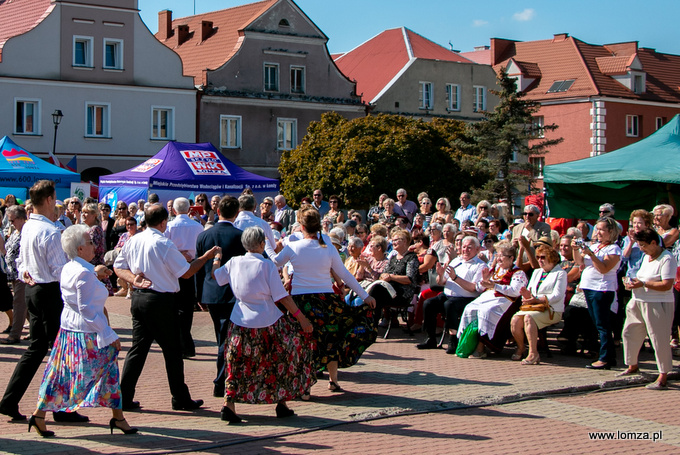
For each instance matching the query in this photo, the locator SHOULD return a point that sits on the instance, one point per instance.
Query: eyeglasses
(426, 203)
(529, 214)
(441, 203)
(488, 241)
(361, 232)
(200, 200)
(605, 211)
(332, 202)
(317, 195)
(401, 195)
(267, 203)
(89, 242)
(130, 224)
(542, 257)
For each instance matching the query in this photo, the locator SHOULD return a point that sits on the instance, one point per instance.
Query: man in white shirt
(466, 211)
(460, 279)
(154, 309)
(183, 231)
(246, 218)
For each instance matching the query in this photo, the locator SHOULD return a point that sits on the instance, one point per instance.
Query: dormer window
(638, 83)
(284, 23)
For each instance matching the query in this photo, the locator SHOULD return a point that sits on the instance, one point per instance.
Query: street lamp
(56, 119)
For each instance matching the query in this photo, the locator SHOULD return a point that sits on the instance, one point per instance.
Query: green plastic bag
(468, 341)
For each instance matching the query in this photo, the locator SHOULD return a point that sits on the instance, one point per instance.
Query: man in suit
(284, 214)
(220, 299)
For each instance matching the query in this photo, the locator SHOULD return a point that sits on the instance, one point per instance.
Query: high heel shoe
(112, 425)
(230, 416)
(333, 387)
(43, 433)
(283, 411)
(534, 361)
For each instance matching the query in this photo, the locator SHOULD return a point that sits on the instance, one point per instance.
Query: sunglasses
(541, 257)
(529, 214)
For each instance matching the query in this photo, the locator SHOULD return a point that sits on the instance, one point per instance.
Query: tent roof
(195, 167)
(20, 168)
(655, 158)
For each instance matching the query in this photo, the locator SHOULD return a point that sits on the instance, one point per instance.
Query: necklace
(497, 275)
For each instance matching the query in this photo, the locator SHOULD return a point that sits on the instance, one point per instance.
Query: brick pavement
(393, 379)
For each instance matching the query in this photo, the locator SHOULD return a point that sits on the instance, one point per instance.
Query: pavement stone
(397, 397)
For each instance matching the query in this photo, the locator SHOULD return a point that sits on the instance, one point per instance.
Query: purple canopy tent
(183, 170)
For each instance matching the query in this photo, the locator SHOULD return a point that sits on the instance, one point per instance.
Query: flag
(52, 158)
(73, 164)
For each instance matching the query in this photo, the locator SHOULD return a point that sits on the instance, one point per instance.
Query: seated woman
(499, 301)
(367, 266)
(269, 358)
(542, 304)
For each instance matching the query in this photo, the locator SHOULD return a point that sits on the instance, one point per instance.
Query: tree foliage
(505, 133)
(361, 158)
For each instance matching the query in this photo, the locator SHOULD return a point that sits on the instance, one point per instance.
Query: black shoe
(283, 411)
(190, 405)
(604, 366)
(44, 434)
(10, 340)
(218, 391)
(230, 416)
(7, 330)
(452, 348)
(131, 406)
(113, 424)
(429, 344)
(188, 355)
(13, 413)
(72, 417)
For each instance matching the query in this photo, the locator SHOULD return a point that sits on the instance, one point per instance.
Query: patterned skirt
(270, 364)
(342, 332)
(79, 374)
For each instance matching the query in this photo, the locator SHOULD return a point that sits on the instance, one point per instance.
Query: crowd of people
(294, 294)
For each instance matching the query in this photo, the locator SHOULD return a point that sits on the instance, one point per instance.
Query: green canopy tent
(632, 177)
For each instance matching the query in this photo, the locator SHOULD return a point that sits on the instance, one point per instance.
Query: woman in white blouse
(342, 332)
(82, 370)
(548, 285)
(268, 357)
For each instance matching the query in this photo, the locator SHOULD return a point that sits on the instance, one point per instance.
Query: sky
(464, 24)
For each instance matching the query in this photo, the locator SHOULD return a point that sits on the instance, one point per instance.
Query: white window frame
(88, 50)
(170, 123)
(632, 126)
(118, 46)
(479, 92)
(37, 109)
(106, 120)
(537, 126)
(303, 82)
(426, 95)
(267, 66)
(226, 141)
(453, 93)
(281, 138)
(538, 164)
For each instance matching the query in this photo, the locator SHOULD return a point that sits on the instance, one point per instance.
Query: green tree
(361, 158)
(506, 135)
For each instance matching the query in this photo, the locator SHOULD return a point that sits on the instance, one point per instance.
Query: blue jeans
(599, 304)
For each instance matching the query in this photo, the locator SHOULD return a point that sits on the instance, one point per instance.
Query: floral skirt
(79, 374)
(270, 364)
(342, 332)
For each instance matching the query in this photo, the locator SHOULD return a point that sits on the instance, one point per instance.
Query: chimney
(560, 36)
(182, 34)
(499, 48)
(206, 30)
(164, 24)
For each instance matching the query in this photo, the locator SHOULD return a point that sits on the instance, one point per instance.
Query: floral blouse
(12, 247)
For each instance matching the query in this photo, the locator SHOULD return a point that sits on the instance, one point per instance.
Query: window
(26, 116)
(660, 121)
(479, 103)
(561, 86)
(538, 163)
(297, 79)
(286, 134)
(113, 54)
(97, 121)
(82, 51)
(638, 84)
(425, 95)
(537, 123)
(632, 125)
(230, 131)
(453, 97)
(271, 77)
(162, 122)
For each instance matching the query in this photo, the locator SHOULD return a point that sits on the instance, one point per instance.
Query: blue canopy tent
(183, 170)
(20, 169)
(633, 177)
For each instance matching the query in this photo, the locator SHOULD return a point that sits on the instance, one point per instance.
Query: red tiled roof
(481, 56)
(221, 45)
(19, 16)
(613, 65)
(529, 69)
(375, 63)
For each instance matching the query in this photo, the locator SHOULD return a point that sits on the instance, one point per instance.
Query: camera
(580, 243)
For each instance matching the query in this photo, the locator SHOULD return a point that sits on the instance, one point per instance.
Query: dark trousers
(154, 317)
(450, 306)
(186, 298)
(577, 322)
(599, 308)
(44, 306)
(220, 314)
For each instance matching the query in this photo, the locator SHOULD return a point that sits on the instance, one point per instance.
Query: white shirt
(661, 268)
(469, 271)
(40, 252)
(256, 285)
(149, 252)
(84, 298)
(183, 231)
(467, 213)
(246, 219)
(593, 280)
(313, 264)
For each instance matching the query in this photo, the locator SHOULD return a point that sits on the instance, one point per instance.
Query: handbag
(468, 341)
(541, 307)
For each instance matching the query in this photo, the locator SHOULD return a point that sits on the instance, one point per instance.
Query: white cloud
(525, 15)
(479, 23)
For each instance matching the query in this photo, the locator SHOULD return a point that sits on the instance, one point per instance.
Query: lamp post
(56, 119)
